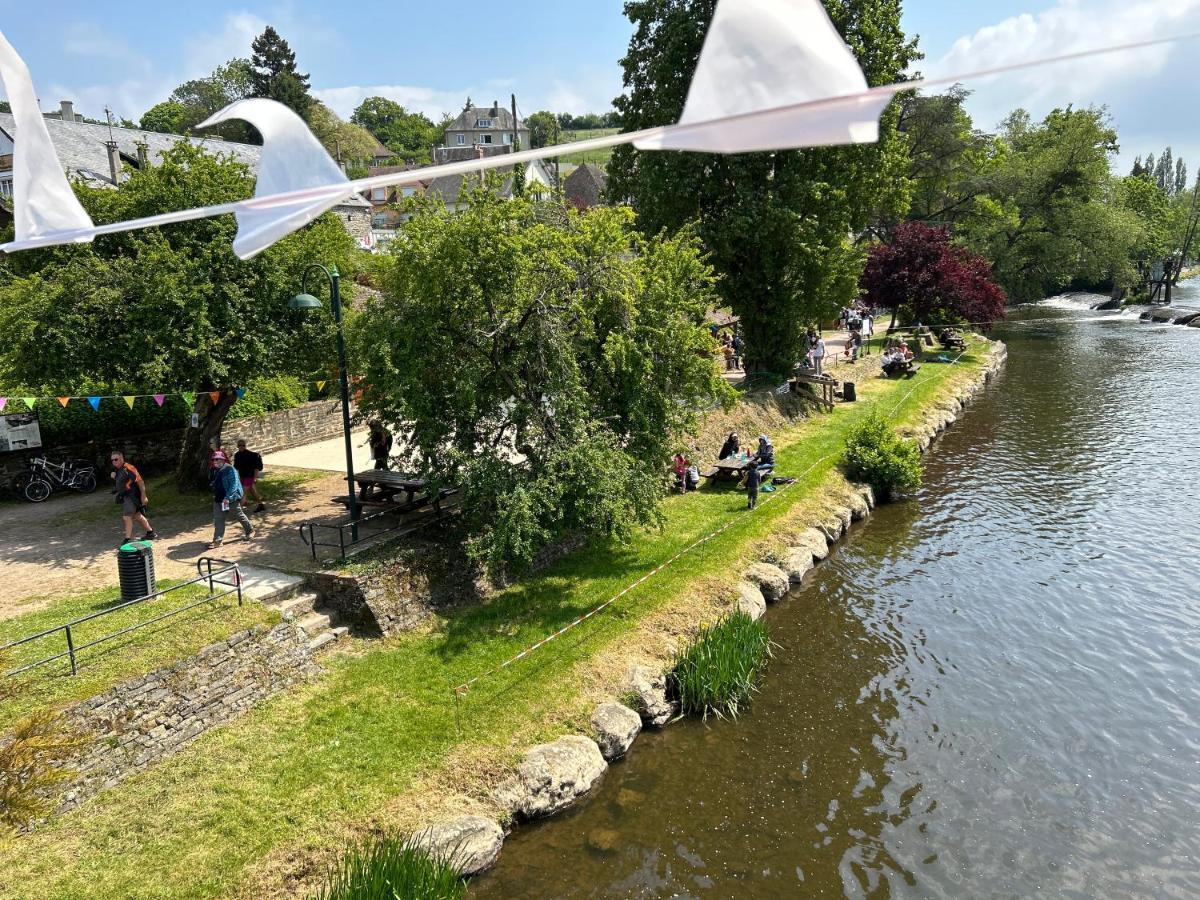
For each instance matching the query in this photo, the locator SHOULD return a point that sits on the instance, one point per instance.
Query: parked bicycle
(44, 477)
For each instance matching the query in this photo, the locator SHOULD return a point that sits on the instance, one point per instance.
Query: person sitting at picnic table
(731, 446)
(692, 478)
(680, 465)
(764, 459)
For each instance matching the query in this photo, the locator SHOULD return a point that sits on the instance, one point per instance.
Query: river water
(992, 690)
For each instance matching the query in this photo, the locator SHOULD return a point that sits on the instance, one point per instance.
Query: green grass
(302, 768)
(717, 672)
(111, 662)
(598, 157)
(389, 867)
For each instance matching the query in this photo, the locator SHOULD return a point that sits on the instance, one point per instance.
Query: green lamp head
(304, 301)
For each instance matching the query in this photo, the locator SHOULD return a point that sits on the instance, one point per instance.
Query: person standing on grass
(865, 331)
(131, 494)
(818, 355)
(249, 466)
(227, 494)
(752, 481)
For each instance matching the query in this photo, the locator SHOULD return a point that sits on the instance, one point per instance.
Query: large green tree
(346, 142)
(781, 226)
(275, 74)
(541, 360)
(166, 309)
(543, 128)
(194, 101)
(407, 134)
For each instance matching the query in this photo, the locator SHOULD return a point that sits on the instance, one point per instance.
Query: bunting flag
(240, 392)
(320, 386)
(94, 401)
(215, 397)
(63, 401)
(773, 74)
(29, 401)
(3, 403)
(129, 400)
(159, 398)
(189, 397)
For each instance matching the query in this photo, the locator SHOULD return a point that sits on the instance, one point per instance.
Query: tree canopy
(194, 101)
(275, 75)
(779, 226)
(166, 308)
(344, 141)
(409, 135)
(541, 360)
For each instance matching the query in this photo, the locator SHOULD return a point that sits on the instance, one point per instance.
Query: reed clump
(718, 672)
(392, 866)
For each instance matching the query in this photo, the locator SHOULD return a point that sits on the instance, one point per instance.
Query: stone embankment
(551, 777)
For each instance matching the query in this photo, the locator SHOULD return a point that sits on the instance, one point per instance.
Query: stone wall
(159, 451)
(374, 604)
(144, 720)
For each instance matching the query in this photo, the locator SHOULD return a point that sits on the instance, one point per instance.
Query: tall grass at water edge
(717, 673)
(392, 867)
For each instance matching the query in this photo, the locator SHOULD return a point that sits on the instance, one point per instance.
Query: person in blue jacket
(227, 494)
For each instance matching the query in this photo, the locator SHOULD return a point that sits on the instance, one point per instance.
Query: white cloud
(433, 102)
(1140, 87)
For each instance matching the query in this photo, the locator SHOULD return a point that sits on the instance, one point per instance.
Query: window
(408, 191)
(483, 123)
(378, 194)
(5, 188)
(485, 139)
(508, 137)
(462, 139)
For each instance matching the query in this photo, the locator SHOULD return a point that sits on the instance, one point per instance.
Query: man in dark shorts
(131, 494)
(249, 465)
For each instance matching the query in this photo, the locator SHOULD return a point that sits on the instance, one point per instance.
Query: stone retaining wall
(144, 720)
(371, 604)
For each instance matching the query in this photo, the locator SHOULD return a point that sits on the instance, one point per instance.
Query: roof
(447, 188)
(501, 119)
(82, 150)
(585, 186)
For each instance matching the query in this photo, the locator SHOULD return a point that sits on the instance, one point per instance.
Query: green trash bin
(135, 568)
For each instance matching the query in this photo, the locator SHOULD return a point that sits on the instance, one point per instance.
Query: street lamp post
(305, 300)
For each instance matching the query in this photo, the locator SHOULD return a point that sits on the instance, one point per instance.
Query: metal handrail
(72, 650)
(308, 530)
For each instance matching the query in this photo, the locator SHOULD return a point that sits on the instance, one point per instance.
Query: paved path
(329, 456)
(68, 545)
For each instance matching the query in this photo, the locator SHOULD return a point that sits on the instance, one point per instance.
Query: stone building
(490, 128)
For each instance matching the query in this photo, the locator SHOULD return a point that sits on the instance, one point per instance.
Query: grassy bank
(128, 656)
(276, 791)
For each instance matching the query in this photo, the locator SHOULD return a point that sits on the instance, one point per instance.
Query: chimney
(495, 108)
(143, 155)
(114, 161)
(66, 110)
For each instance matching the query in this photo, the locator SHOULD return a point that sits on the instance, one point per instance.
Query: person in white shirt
(866, 330)
(818, 355)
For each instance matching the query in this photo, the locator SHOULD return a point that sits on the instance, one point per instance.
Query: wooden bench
(827, 385)
(710, 474)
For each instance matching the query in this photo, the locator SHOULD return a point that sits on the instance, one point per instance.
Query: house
(490, 127)
(539, 183)
(97, 154)
(585, 186)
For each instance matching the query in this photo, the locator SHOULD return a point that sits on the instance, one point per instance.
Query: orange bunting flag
(129, 401)
(63, 401)
(215, 397)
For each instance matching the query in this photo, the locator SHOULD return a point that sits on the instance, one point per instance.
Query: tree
(168, 117)
(4, 107)
(1180, 177)
(1138, 169)
(543, 126)
(169, 308)
(408, 134)
(776, 224)
(275, 74)
(1164, 172)
(1151, 212)
(543, 361)
(345, 141)
(922, 276)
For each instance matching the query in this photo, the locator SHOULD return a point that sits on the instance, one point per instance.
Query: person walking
(752, 481)
(738, 346)
(249, 467)
(131, 494)
(818, 355)
(227, 494)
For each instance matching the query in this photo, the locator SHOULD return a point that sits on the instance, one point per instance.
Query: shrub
(265, 395)
(717, 672)
(31, 764)
(392, 866)
(877, 455)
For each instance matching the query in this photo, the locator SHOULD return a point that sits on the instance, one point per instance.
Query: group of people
(731, 348)
(231, 481)
(897, 358)
(762, 463)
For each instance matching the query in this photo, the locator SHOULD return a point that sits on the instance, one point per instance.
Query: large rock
(867, 494)
(832, 527)
(797, 562)
(815, 541)
(650, 690)
(750, 600)
(470, 843)
(553, 776)
(858, 507)
(771, 580)
(616, 727)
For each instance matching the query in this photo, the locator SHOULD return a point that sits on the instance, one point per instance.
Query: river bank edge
(467, 816)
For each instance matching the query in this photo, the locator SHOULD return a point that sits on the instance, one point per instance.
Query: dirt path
(68, 545)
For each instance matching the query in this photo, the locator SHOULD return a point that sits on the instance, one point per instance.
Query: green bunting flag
(190, 398)
(29, 401)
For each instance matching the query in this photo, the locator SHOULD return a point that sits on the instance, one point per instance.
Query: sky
(565, 56)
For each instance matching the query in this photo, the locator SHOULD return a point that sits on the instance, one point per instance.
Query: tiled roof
(585, 186)
(501, 119)
(81, 146)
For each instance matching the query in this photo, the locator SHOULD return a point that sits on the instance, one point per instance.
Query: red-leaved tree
(922, 275)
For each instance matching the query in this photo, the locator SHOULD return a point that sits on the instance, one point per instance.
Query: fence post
(71, 650)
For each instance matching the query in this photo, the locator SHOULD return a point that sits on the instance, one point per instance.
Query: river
(991, 690)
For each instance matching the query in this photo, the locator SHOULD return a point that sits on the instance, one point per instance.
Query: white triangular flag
(292, 159)
(43, 202)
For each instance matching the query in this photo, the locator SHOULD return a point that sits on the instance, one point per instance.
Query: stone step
(315, 622)
(322, 640)
(298, 604)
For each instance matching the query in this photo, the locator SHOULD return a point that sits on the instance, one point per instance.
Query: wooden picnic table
(383, 488)
(732, 467)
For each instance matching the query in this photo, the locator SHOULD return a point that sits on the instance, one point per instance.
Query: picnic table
(383, 488)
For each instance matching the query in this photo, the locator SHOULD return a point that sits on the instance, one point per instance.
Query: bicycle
(44, 477)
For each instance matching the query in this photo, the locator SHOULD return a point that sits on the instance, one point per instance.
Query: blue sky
(564, 55)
